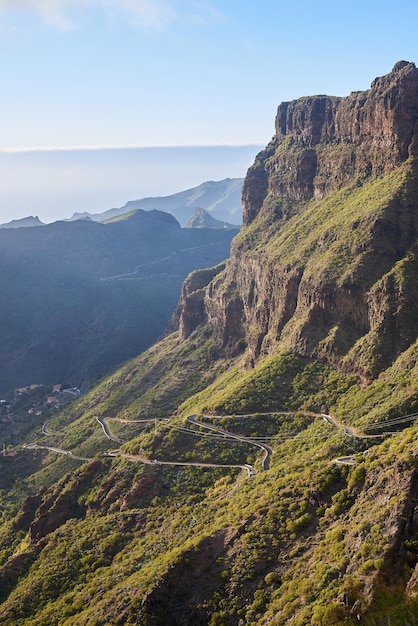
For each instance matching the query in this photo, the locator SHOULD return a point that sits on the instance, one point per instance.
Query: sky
(92, 74)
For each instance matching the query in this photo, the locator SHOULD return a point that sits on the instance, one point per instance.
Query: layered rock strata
(323, 143)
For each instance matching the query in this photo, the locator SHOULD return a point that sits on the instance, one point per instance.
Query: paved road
(352, 432)
(346, 460)
(157, 261)
(106, 430)
(136, 458)
(132, 457)
(45, 429)
(34, 446)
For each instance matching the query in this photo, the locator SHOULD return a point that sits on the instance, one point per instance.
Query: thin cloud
(204, 13)
(150, 14)
(53, 12)
(155, 14)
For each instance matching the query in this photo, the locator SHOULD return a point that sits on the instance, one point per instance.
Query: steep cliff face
(323, 143)
(326, 261)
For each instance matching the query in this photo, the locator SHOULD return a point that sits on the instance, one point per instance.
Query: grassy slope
(286, 543)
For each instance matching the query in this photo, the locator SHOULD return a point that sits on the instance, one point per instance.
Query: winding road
(132, 457)
(106, 430)
(35, 446)
(161, 260)
(352, 432)
(220, 432)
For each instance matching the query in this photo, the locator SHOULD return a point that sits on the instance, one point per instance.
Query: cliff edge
(323, 143)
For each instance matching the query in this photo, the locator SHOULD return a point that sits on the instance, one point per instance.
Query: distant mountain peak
(203, 219)
(153, 217)
(24, 222)
(79, 216)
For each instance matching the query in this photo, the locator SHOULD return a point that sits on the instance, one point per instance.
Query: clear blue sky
(176, 72)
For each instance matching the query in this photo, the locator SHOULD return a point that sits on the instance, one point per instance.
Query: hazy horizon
(54, 184)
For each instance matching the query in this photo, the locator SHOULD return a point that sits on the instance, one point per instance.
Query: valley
(80, 298)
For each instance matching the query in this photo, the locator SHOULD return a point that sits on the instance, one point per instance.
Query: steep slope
(258, 465)
(327, 264)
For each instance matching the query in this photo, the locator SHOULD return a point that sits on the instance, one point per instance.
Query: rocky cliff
(329, 255)
(323, 143)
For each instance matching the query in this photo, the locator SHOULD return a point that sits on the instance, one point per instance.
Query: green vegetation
(285, 381)
(303, 541)
(331, 236)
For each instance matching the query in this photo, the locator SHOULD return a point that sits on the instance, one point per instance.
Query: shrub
(272, 579)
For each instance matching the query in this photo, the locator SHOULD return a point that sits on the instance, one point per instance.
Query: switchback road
(192, 419)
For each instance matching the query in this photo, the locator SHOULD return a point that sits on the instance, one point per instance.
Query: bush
(297, 525)
(272, 579)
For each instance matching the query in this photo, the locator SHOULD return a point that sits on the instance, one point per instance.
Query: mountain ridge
(222, 199)
(25, 222)
(203, 219)
(334, 303)
(366, 134)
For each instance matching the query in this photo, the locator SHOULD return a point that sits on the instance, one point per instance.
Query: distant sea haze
(55, 183)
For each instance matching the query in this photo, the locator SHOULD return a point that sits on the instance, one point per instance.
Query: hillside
(258, 464)
(80, 298)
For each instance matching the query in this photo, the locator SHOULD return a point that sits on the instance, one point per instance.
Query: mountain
(222, 199)
(258, 464)
(25, 222)
(203, 219)
(80, 216)
(80, 298)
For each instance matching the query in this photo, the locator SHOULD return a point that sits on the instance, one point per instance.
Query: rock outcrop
(337, 292)
(62, 505)
(323, 143)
